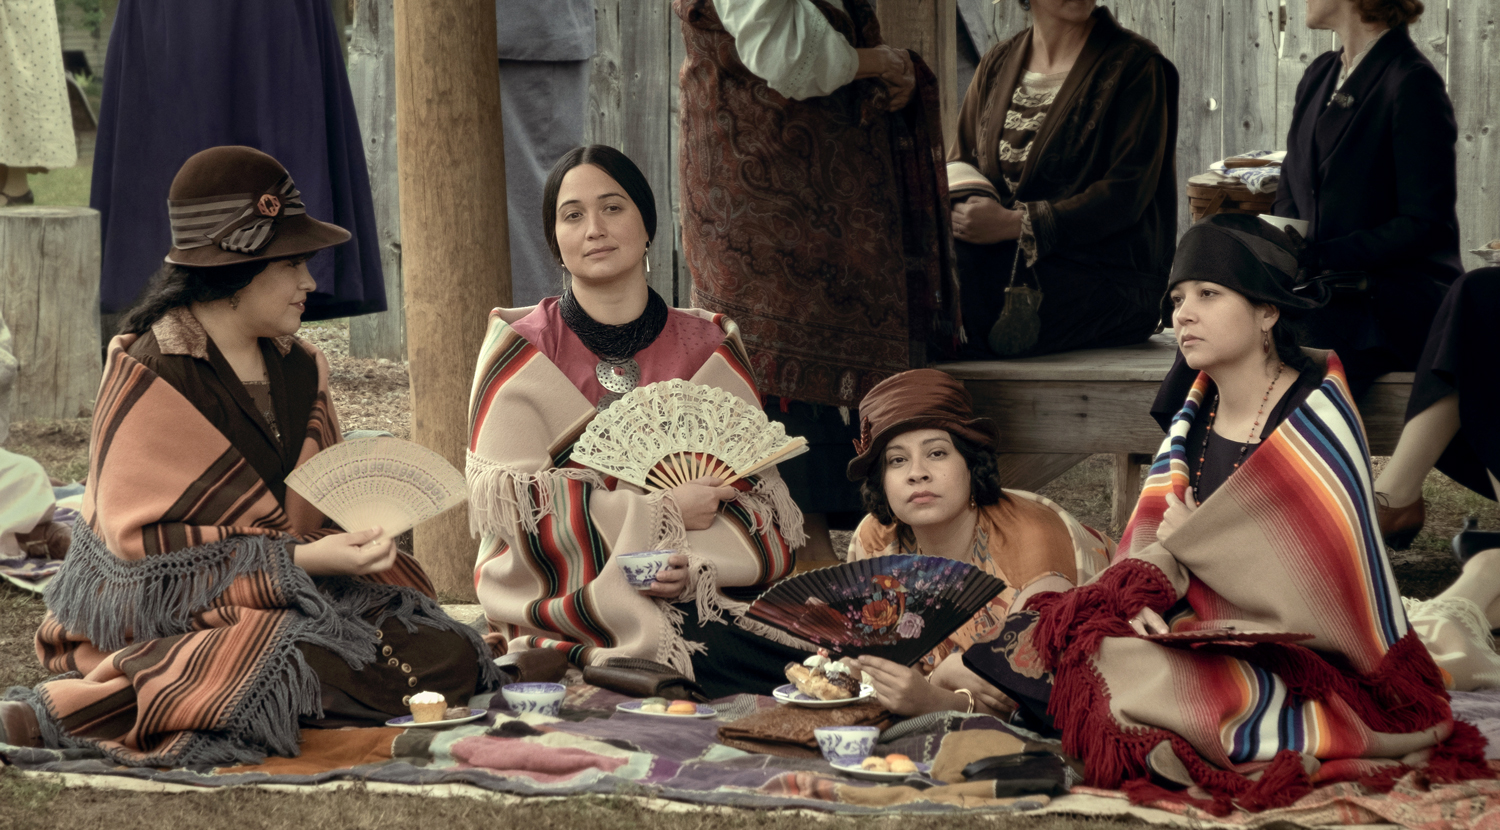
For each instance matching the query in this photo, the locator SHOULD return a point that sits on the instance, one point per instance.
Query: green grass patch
(64, 186)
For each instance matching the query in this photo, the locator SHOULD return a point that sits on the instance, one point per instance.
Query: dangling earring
(972, 504)
(1265, 343)
(647, 257)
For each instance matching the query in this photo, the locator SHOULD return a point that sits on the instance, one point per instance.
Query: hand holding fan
(668, 433)
(379, 481)
(895, 607)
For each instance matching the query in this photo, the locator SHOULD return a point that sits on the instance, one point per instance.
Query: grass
(28, 802)
(64, 186)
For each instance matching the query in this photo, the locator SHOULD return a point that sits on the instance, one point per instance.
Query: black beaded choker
(615, 343)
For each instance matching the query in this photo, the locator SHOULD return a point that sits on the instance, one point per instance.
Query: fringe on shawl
(502, 496)
(1404, 694)
(106, 598)
(114, 601)
(770, 501)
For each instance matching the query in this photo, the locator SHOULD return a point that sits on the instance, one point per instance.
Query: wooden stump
(49, 295)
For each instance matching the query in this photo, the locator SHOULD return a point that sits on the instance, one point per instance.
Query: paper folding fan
(379, 481)
(668, 433)
(896, 607)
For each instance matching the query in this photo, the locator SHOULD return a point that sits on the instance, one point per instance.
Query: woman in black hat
(206, 611)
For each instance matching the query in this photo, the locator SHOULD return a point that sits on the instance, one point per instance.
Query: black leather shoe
(1472, 540)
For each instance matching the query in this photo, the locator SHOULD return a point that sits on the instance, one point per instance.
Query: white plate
(870, 775)
(405, 720)
(634, 708)
(789, 694)
(1490, 255)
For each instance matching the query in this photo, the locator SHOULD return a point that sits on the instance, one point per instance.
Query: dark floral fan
(896, 607)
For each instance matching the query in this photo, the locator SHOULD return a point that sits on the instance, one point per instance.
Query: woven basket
(1210, 193)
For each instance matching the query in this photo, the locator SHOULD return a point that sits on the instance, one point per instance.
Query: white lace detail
(1009, 153)
(1038, 99)
(1014, 121)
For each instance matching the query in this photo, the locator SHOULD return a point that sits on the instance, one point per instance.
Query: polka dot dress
(36, 122)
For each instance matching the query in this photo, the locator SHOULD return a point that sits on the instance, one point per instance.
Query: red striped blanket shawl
(178, 610)
(1287, 544)
(548, 526)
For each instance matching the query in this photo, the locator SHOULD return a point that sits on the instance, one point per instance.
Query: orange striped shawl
(549, 526)
(178, 603)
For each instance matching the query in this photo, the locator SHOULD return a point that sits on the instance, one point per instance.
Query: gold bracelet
(970, 695)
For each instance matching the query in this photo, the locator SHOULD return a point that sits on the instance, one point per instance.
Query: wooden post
(929, 28)
(372, 81)
(49, 294)
(456, 250)
(1127, 488)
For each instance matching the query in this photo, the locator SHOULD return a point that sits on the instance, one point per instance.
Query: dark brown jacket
(1099, 182)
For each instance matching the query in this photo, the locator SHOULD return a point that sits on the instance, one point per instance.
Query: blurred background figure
(182, 76)
(544, 90)
(36, 121)
(814, 214)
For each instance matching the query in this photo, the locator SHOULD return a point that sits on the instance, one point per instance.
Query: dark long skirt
(817, 479)
(1082, 307)
(737, 661)
(184, 75)
(1376, 331)
(1461, 357)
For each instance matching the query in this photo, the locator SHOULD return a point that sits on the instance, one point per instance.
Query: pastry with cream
(822, 678)
(427, 707)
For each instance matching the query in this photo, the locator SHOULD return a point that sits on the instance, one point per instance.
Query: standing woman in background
(1371, 166)
(813, 213)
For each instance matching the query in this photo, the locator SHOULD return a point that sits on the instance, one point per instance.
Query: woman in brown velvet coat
(1064, 167)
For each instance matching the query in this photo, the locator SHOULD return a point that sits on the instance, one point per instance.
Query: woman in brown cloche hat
(931, 486)
(207, 611)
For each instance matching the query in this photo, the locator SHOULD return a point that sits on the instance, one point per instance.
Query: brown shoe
(49, 540)
(1399, 525)
(18, 725)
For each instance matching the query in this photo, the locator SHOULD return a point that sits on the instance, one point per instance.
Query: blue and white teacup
(641, 568)
(534, 698)
(846, 744)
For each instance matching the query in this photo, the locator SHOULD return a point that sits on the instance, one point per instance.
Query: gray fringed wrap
(115, 602)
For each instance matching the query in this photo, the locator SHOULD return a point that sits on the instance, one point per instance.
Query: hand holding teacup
(662, 574)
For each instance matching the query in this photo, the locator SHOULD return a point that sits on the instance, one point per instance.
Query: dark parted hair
(175, 286)
(1392, 13)
(611, 161)
(984, 479)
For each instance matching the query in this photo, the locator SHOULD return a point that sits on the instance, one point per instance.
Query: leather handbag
(643, 678)
(1023, 773)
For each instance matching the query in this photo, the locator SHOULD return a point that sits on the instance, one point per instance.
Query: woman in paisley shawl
(1063, 175)
(1248, 637)
(929, 480)
(545, 571)
(207, 610)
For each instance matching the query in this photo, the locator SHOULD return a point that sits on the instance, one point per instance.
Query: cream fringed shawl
(549, 526)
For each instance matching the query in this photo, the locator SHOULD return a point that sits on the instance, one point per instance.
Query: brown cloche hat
(918, 399)
(236, 204)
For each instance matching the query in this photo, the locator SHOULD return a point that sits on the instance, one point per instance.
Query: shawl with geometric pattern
(1287, 544)
(548, 526)
(176, 617)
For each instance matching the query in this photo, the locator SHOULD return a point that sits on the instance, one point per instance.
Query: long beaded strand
(1245, 447)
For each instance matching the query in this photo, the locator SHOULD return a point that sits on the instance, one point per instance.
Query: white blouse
(789, 44)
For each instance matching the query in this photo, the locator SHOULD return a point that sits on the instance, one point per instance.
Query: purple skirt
(184, 75)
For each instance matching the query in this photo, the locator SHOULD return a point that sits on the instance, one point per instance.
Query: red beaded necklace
(1245, 447)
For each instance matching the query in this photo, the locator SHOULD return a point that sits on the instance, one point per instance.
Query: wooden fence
(1239, 61)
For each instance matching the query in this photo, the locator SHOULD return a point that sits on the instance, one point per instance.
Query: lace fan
(668, 433)
(379, 481)
(896, 607)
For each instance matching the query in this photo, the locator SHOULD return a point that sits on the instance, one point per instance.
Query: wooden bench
(1057, 410)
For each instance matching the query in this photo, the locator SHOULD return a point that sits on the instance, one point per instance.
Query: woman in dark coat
(1371, 165)
(1066, 149)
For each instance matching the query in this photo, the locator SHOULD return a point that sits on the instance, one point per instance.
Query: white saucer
(405, 720)
(870, 775)
(789, 694)
(634, 708)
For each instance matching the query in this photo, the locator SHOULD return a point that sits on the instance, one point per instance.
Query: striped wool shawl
(1288, 544)
(179, 609)
(548, 526)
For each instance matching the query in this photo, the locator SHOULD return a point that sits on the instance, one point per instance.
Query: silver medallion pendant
(618, 377)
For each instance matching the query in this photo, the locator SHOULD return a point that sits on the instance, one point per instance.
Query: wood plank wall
(1239, 62)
